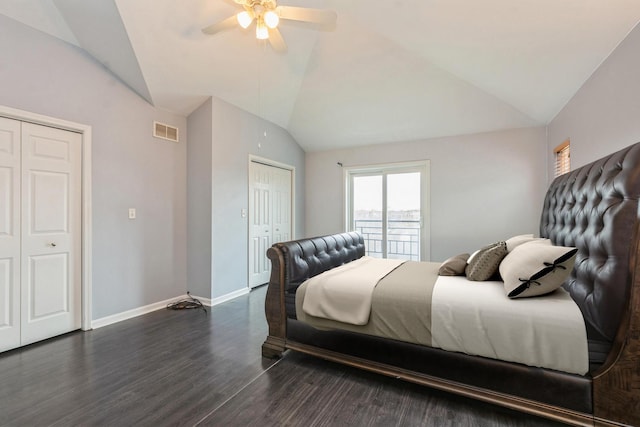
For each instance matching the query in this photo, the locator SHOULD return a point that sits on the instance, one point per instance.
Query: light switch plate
(132, 213)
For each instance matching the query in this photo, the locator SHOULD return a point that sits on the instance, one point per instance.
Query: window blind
(563, 158)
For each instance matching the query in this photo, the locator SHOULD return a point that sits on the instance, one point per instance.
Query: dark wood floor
(185, 368)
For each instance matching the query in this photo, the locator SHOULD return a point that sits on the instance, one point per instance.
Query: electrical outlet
(132, 213)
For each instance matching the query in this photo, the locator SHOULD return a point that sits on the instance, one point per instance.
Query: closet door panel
(260, 222)
(49, 217)
(9, 233)
(50, 261)
(282, 205)
(48, 297)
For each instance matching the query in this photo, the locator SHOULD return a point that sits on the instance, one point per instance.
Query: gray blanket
(400, 309)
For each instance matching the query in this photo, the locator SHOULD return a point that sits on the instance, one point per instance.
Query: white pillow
(536, 268)
(515, 241)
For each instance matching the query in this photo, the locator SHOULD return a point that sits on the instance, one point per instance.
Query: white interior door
(281, 205)
(9, 234)
(269, 216)
(260, 220)
(51, 232)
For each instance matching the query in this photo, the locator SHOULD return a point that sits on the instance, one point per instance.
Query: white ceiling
(391, 70)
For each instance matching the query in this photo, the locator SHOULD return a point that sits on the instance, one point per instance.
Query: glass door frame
(389, 169)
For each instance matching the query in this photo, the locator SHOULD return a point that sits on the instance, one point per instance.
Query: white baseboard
(125, 315)
(224, 298)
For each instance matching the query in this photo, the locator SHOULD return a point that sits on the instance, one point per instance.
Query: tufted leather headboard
(306, 258)
(595, 208)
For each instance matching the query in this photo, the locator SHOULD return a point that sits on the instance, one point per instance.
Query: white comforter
(477, 318)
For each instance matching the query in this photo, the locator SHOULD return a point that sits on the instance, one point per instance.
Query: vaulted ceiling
(390, 70)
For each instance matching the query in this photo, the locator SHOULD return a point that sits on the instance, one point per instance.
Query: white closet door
(281, 205)
(51, 232)
(9, 234)
(260, 222)
(269, 216)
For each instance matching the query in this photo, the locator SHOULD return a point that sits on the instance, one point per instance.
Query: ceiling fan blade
(276, 40)
(317, 16)
(227, 24)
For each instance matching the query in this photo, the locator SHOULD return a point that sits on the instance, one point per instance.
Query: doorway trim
(273, 163)
(85, 132)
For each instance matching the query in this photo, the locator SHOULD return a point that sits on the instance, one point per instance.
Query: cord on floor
(186, 304)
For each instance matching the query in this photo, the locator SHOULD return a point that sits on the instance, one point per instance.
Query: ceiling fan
(267, 15)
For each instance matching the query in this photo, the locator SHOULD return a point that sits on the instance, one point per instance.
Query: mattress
(413, 304)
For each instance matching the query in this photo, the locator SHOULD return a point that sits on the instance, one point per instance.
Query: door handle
(52, 244)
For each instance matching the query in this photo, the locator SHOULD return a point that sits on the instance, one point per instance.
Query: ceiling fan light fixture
(262, 32)
(271, 19)
(267, 14)
(244, 19)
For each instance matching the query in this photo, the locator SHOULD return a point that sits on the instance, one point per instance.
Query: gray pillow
(483, 265)
(533, 269)
(454, 266)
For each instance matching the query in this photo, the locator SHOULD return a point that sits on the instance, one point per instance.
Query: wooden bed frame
(594, 208)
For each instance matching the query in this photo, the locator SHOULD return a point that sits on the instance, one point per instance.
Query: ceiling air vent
(160, 130)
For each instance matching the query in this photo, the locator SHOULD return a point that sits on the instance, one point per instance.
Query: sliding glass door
(387, 205)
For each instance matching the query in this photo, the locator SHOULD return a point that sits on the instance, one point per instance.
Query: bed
(594, 209)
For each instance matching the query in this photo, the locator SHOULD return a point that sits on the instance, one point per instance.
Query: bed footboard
(291, 264)
(274, 307)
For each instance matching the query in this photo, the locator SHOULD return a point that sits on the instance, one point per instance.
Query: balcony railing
(403, 238)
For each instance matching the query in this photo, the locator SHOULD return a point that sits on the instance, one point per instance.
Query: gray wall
(484, 187)
(199, 183)
(135, 262)
(604, 115)
(233, 135)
